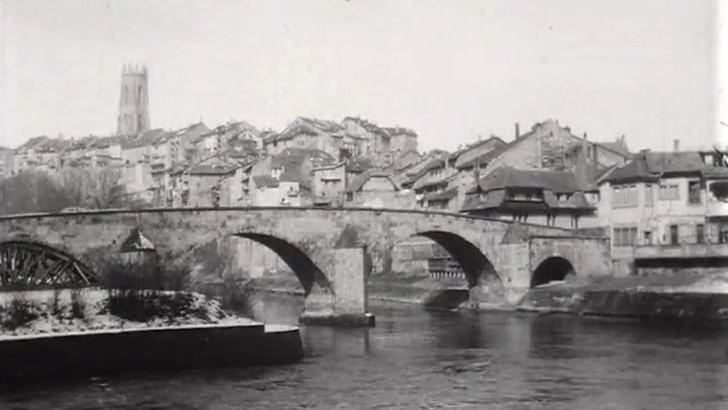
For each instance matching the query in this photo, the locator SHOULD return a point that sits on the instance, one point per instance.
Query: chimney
(585, 138)
(676, 145)
(518, 132)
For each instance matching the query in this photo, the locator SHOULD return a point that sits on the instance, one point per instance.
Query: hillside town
(545, 174)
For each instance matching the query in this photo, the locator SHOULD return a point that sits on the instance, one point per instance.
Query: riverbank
(695, 296)
(46, 334)
(91, 309)
(677, 296)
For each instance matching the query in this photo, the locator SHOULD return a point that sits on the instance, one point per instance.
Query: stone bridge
(332, 251)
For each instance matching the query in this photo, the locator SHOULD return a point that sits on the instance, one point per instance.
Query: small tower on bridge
(133, 101)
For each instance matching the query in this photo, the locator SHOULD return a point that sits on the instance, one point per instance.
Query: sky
(450, 70)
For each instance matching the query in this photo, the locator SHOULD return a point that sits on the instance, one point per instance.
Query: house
(385, 146)
(401, 139)
(329, 183)
(434, 179)
(467, 162)
(137, 181)
(292, 165)
(269, 191)
(406, 176)
(551, 146)
(200, 184)
(374, 188)
(660, 209)
(309, 133)
(545, 197)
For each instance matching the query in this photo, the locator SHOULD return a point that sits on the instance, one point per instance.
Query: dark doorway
(673, 235)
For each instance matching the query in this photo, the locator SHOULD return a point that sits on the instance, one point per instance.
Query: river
(438, 360)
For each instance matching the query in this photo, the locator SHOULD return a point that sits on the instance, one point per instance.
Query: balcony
(717, 209)
(681, 251)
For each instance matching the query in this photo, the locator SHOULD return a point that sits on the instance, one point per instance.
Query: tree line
(38, 191)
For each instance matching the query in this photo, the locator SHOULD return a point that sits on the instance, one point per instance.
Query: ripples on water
(427, 360)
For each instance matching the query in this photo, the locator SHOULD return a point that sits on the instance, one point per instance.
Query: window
(624, 236)
(624, 195)
(674, 234)
(694, 192)
(575, 222)
(550, 220)
(649, 196)
(669, 191)
(647, 237)
(700, 233)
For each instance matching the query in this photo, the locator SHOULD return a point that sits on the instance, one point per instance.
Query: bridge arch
(300, 263)
(31, 264)
(552, 269)
(474, 263)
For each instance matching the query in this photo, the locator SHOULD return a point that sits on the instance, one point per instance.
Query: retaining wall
(27, 358)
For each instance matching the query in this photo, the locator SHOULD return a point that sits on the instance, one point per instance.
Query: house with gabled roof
(661, 211)
(374, 188)
(202, 183)
(311, 133)
(539, 196)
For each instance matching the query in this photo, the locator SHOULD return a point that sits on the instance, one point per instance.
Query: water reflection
(418, 359)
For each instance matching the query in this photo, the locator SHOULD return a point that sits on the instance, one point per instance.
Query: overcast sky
(451, 70)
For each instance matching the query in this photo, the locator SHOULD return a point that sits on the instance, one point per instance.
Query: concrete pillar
(346, 303)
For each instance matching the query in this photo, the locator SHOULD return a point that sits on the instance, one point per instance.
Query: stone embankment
(695, 297)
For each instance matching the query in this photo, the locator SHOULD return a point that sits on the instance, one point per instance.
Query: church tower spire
(133, 101)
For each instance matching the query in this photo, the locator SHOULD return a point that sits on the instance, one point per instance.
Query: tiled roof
(392, 131)
(265, 181)
(205, 169)
(649, 166)
(358, 165)
(298, 155)
(303, 125)
(369, 126)
(442, 196)
(616, 146)
(482, 159)
(361, 179)
(491, 139)
(488, 200)
(507, 177)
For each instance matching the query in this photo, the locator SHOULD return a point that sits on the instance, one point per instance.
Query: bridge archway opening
(552, 269)
(303, 267)
(474, 264)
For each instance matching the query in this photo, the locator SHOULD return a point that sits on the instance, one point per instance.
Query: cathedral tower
(133, 101)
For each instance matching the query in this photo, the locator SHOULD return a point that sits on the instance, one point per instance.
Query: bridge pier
(346, 303)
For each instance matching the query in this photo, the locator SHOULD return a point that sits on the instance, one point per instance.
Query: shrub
(145, 275)
(19, 313)
(78, 305)
(237, 295)
(145, 305)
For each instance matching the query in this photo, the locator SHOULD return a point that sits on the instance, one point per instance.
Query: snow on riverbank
(79, 310)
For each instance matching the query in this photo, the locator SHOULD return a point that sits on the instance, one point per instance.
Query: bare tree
(95, 188)
(32, 191)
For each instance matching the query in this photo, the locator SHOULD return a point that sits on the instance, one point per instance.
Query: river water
(438, 360)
